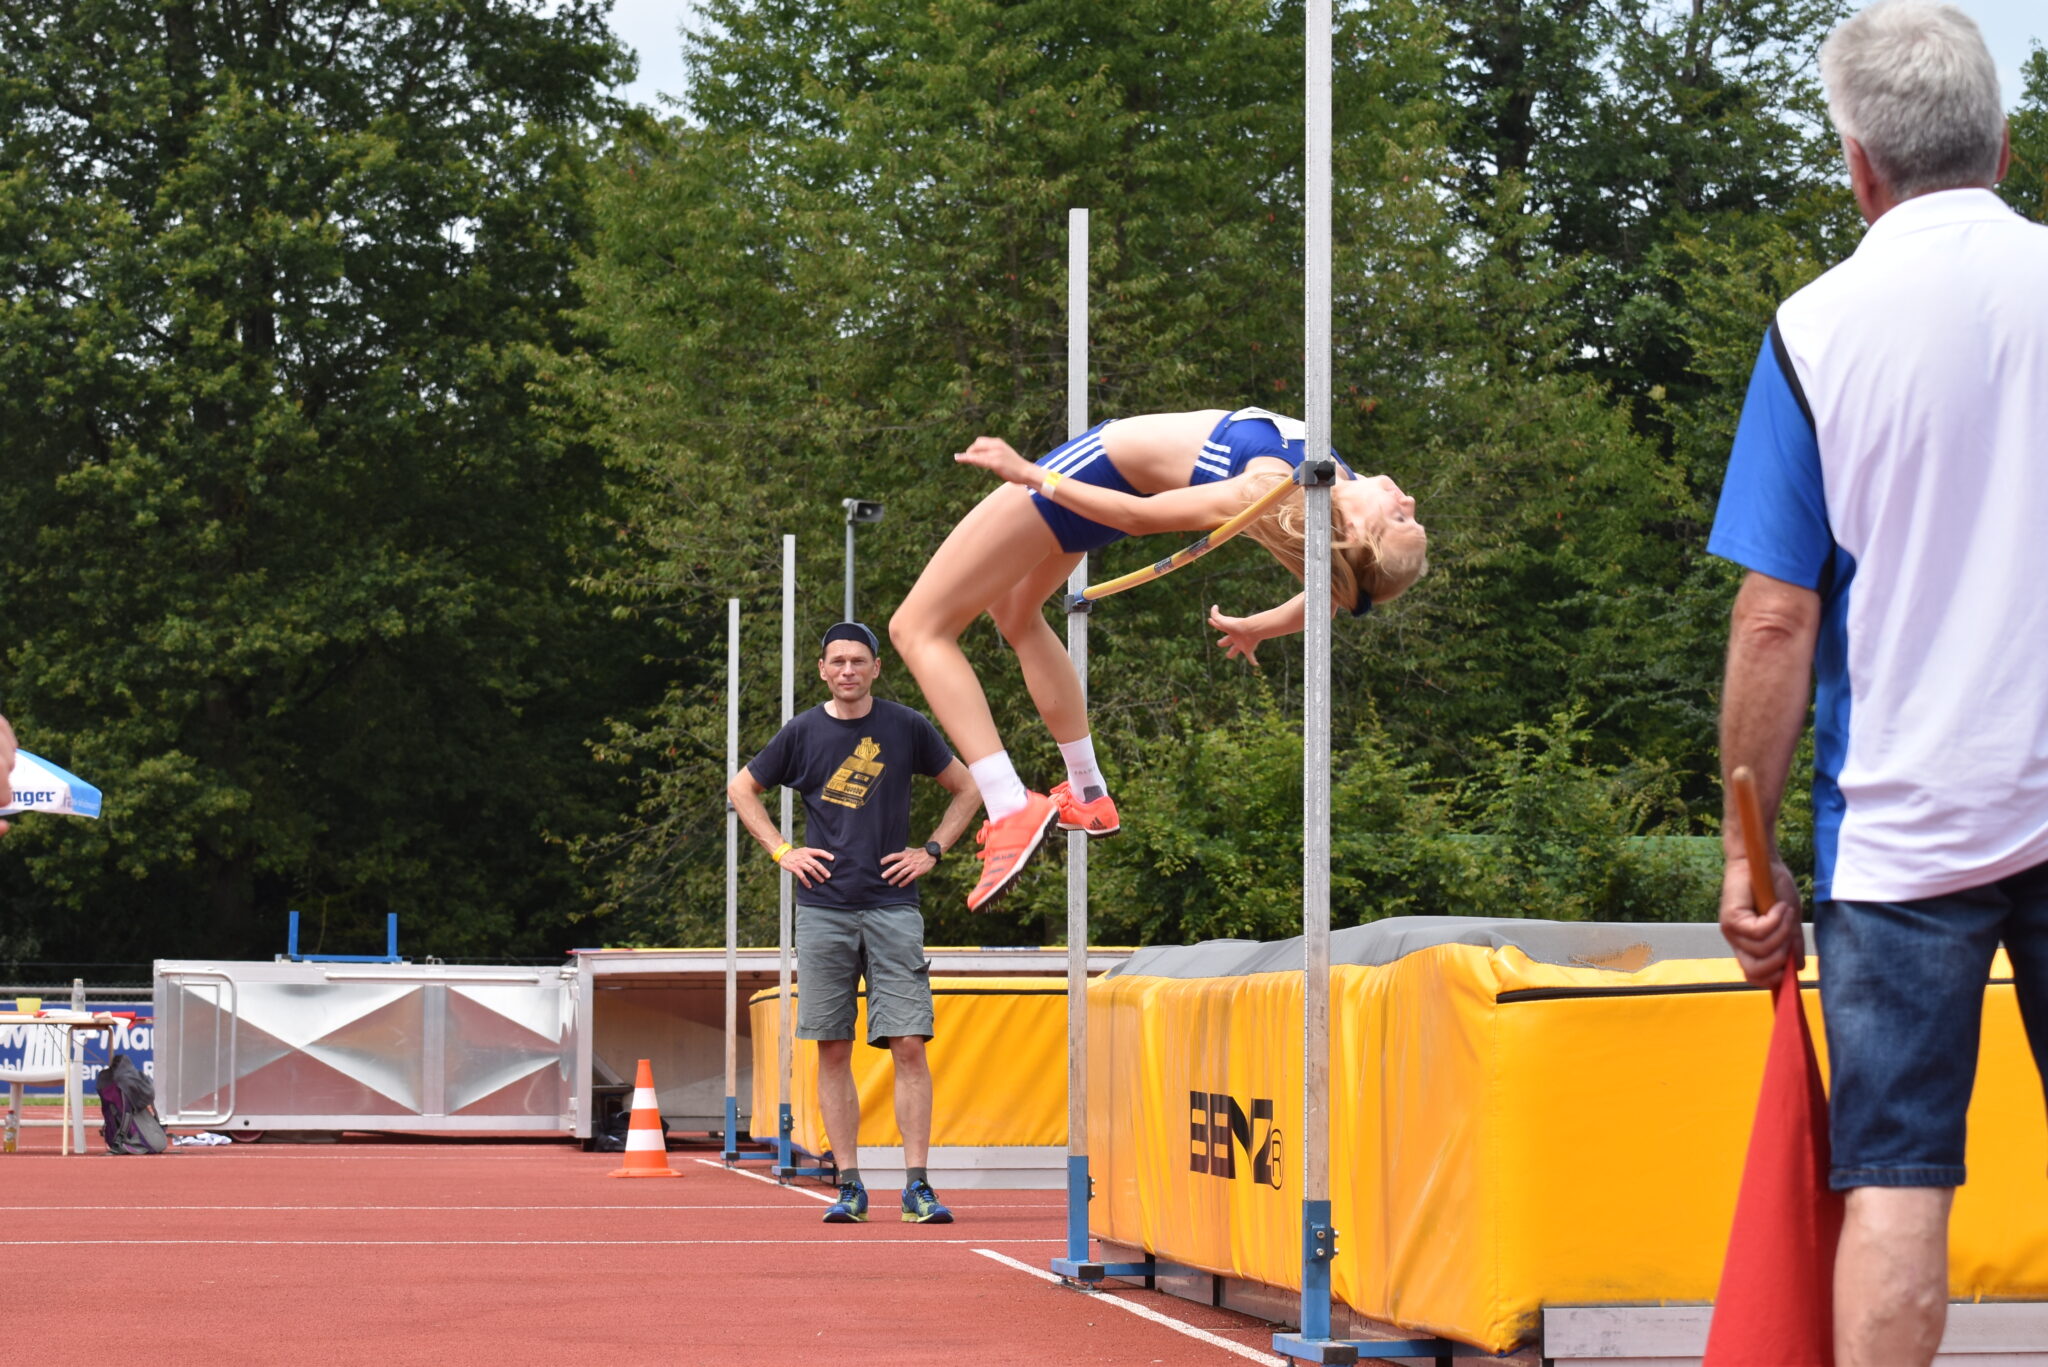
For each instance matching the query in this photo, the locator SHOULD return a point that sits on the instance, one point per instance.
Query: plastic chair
(44, 1059)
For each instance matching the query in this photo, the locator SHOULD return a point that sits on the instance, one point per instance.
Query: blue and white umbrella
(40, 786)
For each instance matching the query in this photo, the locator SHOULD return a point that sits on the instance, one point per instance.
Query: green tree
(848, 257)
(1624, 123)
(2026, 182)
(851, 258)
(290, 543)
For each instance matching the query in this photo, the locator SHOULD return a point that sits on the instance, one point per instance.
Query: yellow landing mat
(1510, 1128)
(998, 1058)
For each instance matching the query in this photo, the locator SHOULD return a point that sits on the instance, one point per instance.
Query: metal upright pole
(1079, 1183)
(1318, 1238)
(785, 1042)
(732, 884)
(847, 616)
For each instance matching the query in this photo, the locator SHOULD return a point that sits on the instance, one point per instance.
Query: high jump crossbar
(1079, 599)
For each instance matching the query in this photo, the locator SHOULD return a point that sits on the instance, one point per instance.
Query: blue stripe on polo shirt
(1773, 519)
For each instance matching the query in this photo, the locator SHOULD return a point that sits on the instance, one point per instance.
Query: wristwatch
(935, 850)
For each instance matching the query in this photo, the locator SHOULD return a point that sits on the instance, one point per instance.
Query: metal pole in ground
(786, 1014)
(1079, 1183)
(1318, 1238)
(732, 884)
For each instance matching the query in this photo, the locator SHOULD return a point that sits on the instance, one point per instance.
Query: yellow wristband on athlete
(1052, 482)
(784, 848)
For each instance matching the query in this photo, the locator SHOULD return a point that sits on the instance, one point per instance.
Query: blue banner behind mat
(136, 1039)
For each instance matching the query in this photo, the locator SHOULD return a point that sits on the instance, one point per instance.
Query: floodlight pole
(732, 884)
(847, 616)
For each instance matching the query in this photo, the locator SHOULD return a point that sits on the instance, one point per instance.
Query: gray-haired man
(1888, 493)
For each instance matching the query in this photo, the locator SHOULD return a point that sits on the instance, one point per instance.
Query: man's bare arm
(1764, 697)
(955, 779)
(807, 864)
(906, 867)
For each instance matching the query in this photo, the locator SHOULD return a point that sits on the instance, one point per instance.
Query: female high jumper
(1162, 472)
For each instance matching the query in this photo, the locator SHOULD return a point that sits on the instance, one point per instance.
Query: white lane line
(817, 1242)
(652, 1207)
(773, 1205)
(1146, 1312)
(235, 1155)
(742, 1172)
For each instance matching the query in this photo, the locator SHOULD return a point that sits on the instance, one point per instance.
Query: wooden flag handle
(1750, 813)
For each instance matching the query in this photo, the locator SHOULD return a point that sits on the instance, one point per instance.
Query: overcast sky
(650, 27)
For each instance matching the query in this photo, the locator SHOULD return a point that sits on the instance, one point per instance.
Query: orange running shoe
(1097, 818)
(1006, 844)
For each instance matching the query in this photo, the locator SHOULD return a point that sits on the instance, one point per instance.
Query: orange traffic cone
(646, 1151)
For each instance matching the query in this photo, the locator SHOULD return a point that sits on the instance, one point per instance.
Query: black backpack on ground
(128, 1110)
(609, 1134)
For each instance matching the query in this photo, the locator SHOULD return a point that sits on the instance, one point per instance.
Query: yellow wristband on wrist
(1052, 482)
(784, 848)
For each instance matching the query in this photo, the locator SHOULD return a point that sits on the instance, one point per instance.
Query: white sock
(1083, 775)
(1002, 792)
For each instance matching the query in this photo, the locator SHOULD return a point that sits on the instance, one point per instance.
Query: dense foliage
(1560, 232)
(389, 416)
(290, 543)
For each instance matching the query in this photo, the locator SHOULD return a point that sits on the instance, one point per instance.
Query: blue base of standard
(1077, 1266)
(1300, 1348)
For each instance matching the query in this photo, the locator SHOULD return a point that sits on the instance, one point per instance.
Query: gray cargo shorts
(836, 948)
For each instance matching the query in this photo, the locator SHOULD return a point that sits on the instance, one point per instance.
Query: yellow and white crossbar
(1187, 555)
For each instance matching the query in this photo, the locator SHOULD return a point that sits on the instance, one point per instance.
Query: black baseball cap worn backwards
(851, 631)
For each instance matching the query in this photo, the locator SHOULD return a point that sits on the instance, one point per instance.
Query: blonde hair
(1382, 571)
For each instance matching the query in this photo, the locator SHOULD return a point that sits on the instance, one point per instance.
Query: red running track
(458, 1252)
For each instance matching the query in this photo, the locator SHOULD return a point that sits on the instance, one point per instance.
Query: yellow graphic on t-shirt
(850, 785)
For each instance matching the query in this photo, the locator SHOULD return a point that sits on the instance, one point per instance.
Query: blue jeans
(1902, 999)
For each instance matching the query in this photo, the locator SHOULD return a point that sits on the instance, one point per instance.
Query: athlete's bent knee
(906, 633)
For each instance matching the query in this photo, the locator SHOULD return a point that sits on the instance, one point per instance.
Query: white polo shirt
(1893, 456)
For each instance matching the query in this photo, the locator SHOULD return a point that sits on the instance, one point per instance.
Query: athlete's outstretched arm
(1241, 635)
(1196, 509)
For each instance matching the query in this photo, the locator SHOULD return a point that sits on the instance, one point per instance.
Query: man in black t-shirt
(851, 758)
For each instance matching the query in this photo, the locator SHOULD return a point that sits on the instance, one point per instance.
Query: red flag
(1776, 1303)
